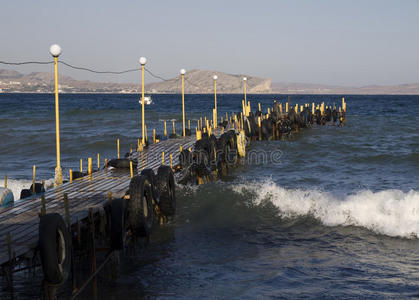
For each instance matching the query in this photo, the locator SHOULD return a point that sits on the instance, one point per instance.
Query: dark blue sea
(334, 215)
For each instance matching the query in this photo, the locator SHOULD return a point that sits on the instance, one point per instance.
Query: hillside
(196, 82)
(201, 81)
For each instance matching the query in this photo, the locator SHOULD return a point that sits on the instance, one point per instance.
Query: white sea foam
(16, 185)
(389, 212)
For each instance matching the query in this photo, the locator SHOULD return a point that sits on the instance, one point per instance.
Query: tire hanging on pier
(166, 187)
(54, 248)
(140, 210)
(117, 220)
(149, 173)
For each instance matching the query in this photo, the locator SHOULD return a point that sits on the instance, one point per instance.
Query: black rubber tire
(166, 187)
(254, 129)
(202, 151)
(25, 193)
(227, 147)
(185, 159)
(233, 138)
(149, 173)
(77, 174)
(39, 188)
(140, 210)
(54, 248)
(247, 127)
(117, 220)
(266, 129)
(123, 163)
(213, 152)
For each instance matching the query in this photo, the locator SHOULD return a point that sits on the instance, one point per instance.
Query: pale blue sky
(330, 42)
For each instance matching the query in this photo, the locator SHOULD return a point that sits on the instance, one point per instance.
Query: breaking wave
(389, 212)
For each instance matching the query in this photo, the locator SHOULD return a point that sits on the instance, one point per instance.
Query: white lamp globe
(143, 60)
(244, 78)
(215, 77)
(55, 50)
(182, 71)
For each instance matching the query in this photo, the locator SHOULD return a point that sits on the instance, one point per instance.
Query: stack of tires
(211, 157)
(151, 196)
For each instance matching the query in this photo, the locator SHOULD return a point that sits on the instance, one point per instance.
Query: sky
(349, 43)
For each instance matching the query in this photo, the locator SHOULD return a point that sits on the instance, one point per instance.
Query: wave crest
(389, 212)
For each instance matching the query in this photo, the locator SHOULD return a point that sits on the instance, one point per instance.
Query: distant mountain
(196, 81)
(201, 82)
(42, 82)
(305, 88)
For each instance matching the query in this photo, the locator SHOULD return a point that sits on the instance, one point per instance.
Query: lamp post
(143, 61)
(182, 75)
(245, 90)
(215, 77)
(55, 51)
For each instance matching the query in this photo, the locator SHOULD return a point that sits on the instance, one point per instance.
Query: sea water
(328, 212)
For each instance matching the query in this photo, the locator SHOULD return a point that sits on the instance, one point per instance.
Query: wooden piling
(162, 158)
(198, 134)
(131, 171)
(33, 179)
(71, 175)
(174, 128)
(154, 136)
(165, 129)
(117, 148)
(5, 181)
(81, 165)
(171, 161)
(89, 166)
(98, 161)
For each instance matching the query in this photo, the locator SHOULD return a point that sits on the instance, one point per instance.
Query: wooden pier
(21, 221)
(78, 201)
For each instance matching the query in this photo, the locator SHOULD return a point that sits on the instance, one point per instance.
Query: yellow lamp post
(215, 77)
(143, 61)
(245, 91)
(182, 75)
(55, 51)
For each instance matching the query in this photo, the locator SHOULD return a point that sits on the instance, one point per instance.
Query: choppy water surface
(336, 216)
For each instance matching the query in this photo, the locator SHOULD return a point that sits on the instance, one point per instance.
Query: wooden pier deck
(91, 191)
